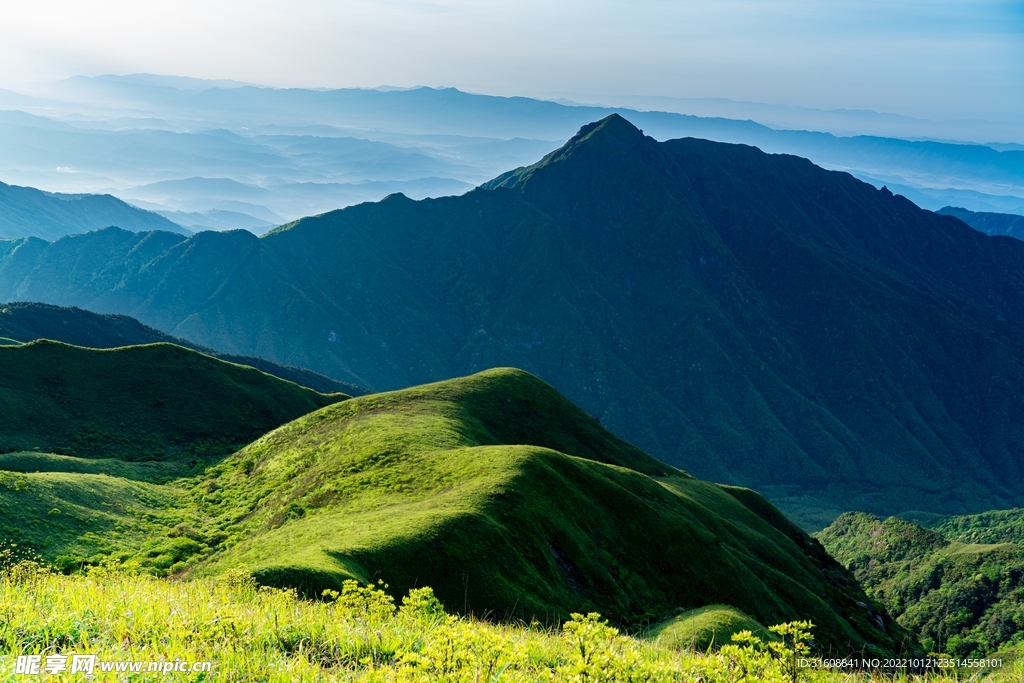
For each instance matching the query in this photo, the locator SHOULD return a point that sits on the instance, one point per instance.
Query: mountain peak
(611, 136)
(610, 127)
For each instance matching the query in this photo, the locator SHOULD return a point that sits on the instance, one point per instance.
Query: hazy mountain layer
(752, 318)
(27, 212)
(311, 151)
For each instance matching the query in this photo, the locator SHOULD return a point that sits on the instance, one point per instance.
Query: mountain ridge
(155, 402)
(28, 321)
(990, 223)
(526, 506)
(752, 318)
(503, 496)
(28, 212)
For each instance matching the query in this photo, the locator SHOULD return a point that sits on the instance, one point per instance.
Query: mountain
(752, 318)
(1011, 225)
(26, 321)
(27, 212)
(961, 593)
(157, 402)
(493, 489)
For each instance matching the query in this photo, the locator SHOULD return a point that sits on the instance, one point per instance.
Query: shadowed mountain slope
(750, 317)
(28, 212)
(28, 321)
(152, 402)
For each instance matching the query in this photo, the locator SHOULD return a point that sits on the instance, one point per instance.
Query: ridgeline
(751, 318)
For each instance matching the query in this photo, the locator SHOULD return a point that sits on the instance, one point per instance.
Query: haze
(934, 60)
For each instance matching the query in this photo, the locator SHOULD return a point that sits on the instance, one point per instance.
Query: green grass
(140, 403)
(72, 519)
(512, 503)
(705, 628)
(966, 599)
(507, 499)
(258, 634)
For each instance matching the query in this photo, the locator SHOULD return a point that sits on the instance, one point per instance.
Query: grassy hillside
(961, 596)
(493, 489)
(259, 635)
(707, 628)
(29, 321)
(152, 402)
(751, 318)
(74, 519)
(525, 508)
(1009, 224)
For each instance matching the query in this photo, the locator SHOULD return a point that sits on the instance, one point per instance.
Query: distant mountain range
(27, 212)
(749, 317)
(989, 223)
(310, 151)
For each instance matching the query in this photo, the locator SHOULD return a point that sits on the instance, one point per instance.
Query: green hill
(707, 628)
(749, 317)
(1009, 224)
(493, 489)
(512, 503)
(29, 321)
(959, 586)
(152, 402)
(28, 212)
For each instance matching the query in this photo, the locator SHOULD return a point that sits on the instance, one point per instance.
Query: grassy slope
(29, 321)
(30, 462)
(271, 636)
(71, 518)
(153, 402)
(707, 627)
(509, 501)
(964, 598)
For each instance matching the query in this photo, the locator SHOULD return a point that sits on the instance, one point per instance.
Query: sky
(941, 59)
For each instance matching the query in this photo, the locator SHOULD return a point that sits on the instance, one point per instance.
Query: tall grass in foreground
(258, 634)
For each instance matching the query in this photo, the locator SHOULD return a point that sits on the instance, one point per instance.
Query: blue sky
(939, 59)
